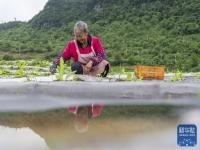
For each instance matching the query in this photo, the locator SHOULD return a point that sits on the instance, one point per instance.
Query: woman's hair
(81, 120)
(82, 26)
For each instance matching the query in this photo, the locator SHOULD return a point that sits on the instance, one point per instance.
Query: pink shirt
(96, 110)
(70, 51)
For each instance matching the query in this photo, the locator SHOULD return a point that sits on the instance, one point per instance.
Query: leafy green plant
(122, 71)
(4, 71)
(178, 76)
(129, 76)
(20, 72)
(60, 70)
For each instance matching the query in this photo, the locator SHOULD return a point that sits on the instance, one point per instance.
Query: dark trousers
(77, 67)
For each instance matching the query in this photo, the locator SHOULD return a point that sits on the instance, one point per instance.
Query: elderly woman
(87, 51)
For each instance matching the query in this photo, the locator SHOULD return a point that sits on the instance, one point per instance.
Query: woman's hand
(88, 66)
(53, 68)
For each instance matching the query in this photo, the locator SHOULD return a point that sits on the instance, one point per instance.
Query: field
(30, 69)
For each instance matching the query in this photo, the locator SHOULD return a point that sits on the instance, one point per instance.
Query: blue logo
(187, 135)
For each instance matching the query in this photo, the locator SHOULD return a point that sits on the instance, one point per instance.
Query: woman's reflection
(83, 114)
(54, 127)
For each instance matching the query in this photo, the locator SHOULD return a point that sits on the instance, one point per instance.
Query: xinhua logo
(187, 135)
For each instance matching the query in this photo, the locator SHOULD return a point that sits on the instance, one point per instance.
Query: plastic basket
(149, 72)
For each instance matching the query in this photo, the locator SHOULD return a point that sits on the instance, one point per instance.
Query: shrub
(8, 57)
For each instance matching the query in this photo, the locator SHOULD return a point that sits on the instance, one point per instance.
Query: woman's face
(81, 36)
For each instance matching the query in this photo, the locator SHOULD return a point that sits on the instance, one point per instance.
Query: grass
(24, 55)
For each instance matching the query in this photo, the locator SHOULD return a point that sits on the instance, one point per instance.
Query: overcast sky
(22, 10)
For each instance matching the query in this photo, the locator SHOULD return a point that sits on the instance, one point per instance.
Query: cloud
(22, 10)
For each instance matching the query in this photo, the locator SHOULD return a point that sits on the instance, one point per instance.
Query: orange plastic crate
(149, 72)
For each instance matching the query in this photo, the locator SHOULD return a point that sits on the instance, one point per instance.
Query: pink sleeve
(65, 54)
(99, 50)
(72, 110)
(96, 110)
(98, 47)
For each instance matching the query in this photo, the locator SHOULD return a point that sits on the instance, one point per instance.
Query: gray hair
(82, 26)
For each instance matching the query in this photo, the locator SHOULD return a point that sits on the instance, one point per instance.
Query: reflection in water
(83, 114)
(20, 138)
(111, 127)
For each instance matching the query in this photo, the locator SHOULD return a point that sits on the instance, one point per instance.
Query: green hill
(145, 32)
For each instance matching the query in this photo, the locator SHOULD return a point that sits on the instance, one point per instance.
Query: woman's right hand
(89, 64)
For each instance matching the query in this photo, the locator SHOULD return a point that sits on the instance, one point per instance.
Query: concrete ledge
(104, 90)
(41, 96)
